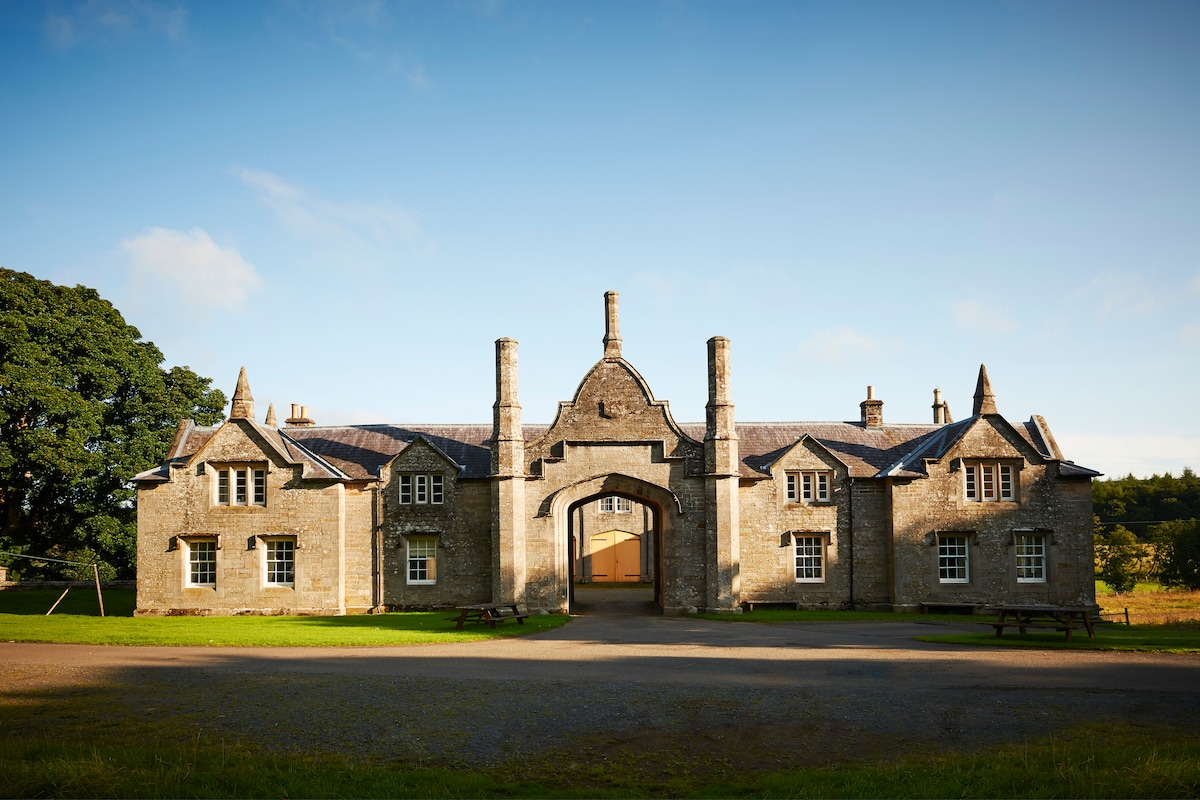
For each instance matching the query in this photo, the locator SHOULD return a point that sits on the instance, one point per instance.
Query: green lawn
(77, 621)
(1114, 760)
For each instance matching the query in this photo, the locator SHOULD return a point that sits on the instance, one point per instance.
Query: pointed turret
(985, 399)
(242, 406)
(271, 421)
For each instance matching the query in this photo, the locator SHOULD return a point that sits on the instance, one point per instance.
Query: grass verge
(1133, 638)
(22, 619)
(1097, 760)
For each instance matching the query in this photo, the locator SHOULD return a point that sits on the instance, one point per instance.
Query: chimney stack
(941, 409)
(299, 417)
(872, 410)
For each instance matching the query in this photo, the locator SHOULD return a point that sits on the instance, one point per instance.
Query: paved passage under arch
(832, 691)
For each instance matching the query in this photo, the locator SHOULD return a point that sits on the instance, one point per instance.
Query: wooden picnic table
(1059, 618)
(491, 613)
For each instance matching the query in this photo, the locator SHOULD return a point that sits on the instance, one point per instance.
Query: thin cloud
(392, 62)
(975, 316)
(363, 28)
(190, 266)
(1124, 294)
(310, 215)
(1189, 335)
(836, 344)
(105, 20)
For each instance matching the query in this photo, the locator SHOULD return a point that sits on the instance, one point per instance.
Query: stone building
(250, 517)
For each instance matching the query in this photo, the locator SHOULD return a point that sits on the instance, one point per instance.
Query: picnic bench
(491, 613)
(1059, 618)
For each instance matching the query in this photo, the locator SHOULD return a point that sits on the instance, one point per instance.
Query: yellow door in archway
(616, 557)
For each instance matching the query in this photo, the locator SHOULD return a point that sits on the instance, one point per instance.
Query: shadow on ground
(614, 600)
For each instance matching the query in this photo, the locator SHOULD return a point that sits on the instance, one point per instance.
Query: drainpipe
(850, 540)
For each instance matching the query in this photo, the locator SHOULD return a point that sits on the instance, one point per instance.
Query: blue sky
(355, 199)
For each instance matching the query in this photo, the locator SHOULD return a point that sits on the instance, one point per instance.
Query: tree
(84, 406)
(1177, 554)
(1118, 559)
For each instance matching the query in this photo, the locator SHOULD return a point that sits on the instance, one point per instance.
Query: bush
(1119, 559)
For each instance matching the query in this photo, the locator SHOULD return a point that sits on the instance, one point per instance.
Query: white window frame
(421, 488)
(809, 486)
(279, 561)
(808, 554)
(420, 559)
(615, 504)
(989, 482)
(1030, 551)
(201, 568)
(954, 558)
(243, 485)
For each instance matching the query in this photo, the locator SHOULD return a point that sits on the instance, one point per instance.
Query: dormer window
(241, 485)
(422, 488)
(989, 481)
(809, 486)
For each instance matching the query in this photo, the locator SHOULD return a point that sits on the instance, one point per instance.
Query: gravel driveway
(749, 695)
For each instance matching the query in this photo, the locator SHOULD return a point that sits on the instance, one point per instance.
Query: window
(241, 486)
(422, 559)
(1031, 557)
(281, 562)
(808, 487)
(987, 481)
(810, 558)
(953, 559)
(614, 504)
(422, 489)
(202, 562)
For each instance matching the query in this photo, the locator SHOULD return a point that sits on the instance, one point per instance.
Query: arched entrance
(614, 528)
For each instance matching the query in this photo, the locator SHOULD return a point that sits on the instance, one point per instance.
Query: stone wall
(461, 524)
(314, 513)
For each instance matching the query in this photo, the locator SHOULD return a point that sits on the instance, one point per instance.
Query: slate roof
(358, 452)
(361, 450)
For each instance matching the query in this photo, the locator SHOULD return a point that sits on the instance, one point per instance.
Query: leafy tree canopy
(1177, 548)
(1138, 503)
(84, 406)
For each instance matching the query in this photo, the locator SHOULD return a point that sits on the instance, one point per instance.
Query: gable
(807, 453)
(238, 441)
(613, 404)
(991, 437)
(422, 456)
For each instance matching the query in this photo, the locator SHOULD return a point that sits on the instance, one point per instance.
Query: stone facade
(250, 517)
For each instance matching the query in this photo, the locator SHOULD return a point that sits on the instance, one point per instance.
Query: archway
(629, 515)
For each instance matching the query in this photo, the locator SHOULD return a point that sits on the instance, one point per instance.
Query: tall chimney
(612, 334)
(720, 430)
(872, 410)
(508, 440)
(939, 408)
